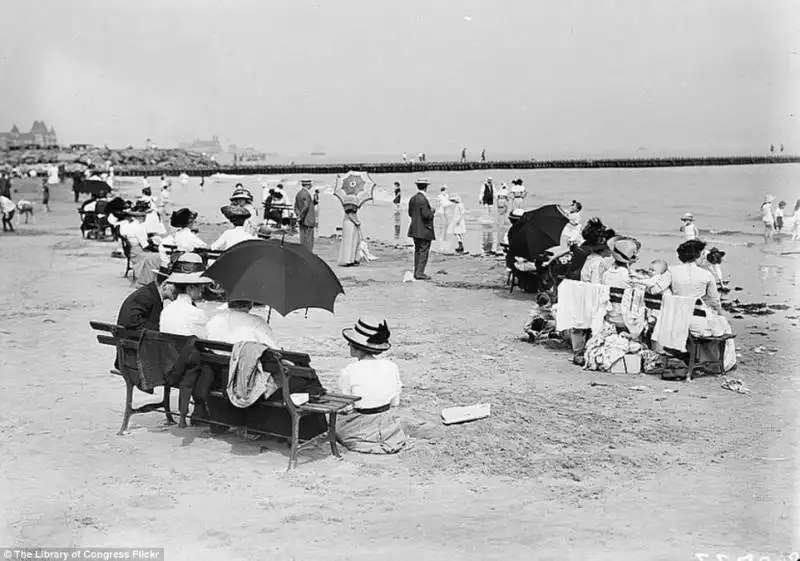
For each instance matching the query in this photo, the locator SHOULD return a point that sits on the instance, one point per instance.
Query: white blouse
(688, 279)
(375, 381)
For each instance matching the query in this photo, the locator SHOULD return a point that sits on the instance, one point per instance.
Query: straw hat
(188, 262)
(188, 278)
(306, 182)
(242, 194)
(769, 199)
(455, 198)
(182, 218)
(623, 249)
(369, 336)
(234, 211)
(264, 232)
(423, 181)
(688, 216)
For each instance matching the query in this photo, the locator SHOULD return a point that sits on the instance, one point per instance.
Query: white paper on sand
(453, 415)
(408, 276)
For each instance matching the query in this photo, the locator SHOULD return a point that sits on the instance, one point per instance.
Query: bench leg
(295, 441)
(332, 435)
(692, 359)
(722, 345)
(184, 396)
(166, 404)
(126, 416)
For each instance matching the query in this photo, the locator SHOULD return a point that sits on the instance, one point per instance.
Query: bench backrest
(653, 301)
(216, 353)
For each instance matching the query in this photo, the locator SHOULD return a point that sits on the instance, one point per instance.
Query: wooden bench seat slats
(273, 361)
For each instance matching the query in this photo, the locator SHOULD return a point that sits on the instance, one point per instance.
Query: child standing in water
(779, 215)
(689, 228)
(459, 222)
(796, 221)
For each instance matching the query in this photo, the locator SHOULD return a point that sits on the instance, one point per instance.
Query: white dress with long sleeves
(372, 428)
(182, 317)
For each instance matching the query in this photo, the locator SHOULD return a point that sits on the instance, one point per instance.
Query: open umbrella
(354, 188)
(537, 231)
(284, 276)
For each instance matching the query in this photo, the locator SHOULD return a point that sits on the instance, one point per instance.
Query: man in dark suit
(142, 308)
(306, 214)
(421, 228)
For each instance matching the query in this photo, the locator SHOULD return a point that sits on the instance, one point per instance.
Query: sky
(529, 77)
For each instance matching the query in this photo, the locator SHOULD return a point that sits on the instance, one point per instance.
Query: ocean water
(644, 203)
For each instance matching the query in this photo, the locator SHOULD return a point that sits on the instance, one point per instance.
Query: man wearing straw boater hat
(238, 216)
(421, 228)
(306, 216)
(371, 428)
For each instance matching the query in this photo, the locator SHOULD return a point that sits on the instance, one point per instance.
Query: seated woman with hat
(237, 215)
(624, 252)
(371, 428)
(143, 257)
(183, 317)
(242, 197)
(184, 237)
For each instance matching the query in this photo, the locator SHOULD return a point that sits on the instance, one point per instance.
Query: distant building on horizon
(212, 146)
(39, 135)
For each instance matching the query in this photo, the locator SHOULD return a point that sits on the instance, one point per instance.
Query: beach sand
(561, 470)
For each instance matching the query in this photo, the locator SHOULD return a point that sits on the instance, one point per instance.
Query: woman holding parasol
(353, 190)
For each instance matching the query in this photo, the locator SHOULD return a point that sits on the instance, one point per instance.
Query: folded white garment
(581, 305)
(672, 326)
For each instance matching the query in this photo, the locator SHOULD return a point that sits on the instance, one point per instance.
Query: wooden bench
(282, 365)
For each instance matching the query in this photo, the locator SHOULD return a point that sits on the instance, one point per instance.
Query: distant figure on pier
(771, 148)
(781, 148)
(405, 157)
(421, 156)
(483, 155)
(464, 155)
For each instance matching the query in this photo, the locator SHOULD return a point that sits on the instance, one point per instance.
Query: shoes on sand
(422, 277)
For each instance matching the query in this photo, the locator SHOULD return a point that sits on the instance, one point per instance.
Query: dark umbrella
(283, 276)
(537, 231)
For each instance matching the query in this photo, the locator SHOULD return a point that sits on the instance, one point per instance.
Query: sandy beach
(571, 464)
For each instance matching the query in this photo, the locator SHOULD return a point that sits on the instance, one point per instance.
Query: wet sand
(562, 469)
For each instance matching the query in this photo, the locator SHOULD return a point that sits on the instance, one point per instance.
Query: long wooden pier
(427, 167)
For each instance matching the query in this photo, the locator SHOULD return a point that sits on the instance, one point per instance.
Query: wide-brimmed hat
(234, 211)
(188, 278)
(264, 232)
(188, 262)
(369, 336)
(422, 181)
(181, 218)
(455, 198)
(305, 182)
(688, 216)
(769, 199)
(516, 214)
(624, 249)
(241, 194)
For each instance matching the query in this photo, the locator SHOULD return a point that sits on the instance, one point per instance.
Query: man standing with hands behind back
(421, 228)
(306, 216)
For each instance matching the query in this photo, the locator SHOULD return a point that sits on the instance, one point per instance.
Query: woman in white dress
(371, 428)
(689, 279)
(350, 250)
